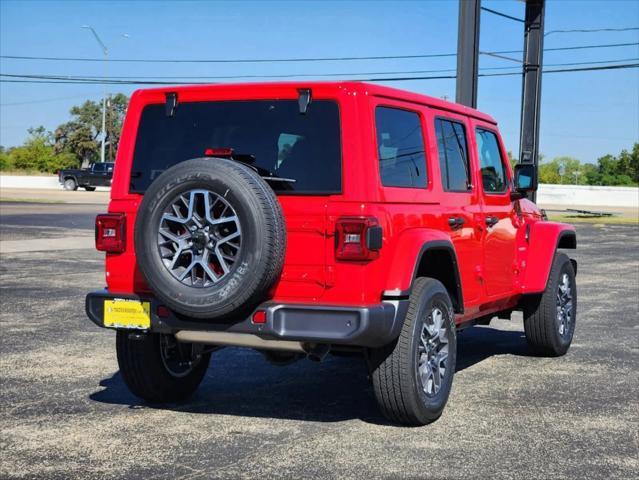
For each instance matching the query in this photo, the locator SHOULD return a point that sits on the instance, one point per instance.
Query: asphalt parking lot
(65, 412)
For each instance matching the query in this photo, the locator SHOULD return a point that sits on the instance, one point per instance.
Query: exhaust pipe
(237, 340)
(316, 351)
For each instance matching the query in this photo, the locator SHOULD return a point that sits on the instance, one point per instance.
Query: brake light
(358, 238)
(110, 232)
(218, 152)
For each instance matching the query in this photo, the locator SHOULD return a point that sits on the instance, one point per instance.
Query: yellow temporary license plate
(125, 313)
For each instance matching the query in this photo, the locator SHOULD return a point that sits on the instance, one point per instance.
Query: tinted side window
(99, 167)
(493, 175)
(400, 146)
(453, 155)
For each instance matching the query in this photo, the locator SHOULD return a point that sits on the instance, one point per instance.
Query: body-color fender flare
(544, 240)
(415, 244)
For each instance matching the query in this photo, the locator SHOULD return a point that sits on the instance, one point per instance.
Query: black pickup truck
(97, 175)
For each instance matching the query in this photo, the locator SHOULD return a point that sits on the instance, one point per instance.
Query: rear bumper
(369, 326)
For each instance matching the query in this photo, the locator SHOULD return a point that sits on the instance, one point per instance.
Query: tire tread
(393, 384)
(540, 312)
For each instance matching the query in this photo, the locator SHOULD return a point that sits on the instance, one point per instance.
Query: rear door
(460, 204)
(300, 154)
(498, 212)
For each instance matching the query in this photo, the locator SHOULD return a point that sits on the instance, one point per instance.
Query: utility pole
(105, 51)
(468, 68)
(531, 85)
(468, 52)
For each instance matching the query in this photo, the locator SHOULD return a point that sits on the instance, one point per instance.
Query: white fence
(26, 181)
(566, 195)
(588, 196)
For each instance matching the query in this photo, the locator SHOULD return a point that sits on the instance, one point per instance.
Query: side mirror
(525, 180)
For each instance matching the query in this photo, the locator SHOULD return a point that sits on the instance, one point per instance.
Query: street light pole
(105, 50)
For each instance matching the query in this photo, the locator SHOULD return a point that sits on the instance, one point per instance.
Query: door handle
(492, 221)
(455, 222)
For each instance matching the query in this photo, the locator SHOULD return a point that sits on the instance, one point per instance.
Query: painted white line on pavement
(47, 244)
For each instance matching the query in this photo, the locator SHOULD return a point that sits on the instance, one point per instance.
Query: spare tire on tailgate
(210, 238)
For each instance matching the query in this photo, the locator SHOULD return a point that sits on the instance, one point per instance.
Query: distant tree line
(74, 143)
(77, 143)
(620, 170)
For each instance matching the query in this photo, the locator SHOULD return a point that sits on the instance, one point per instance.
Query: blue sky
(584, 114)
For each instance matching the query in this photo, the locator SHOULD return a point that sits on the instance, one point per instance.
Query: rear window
(305, 148)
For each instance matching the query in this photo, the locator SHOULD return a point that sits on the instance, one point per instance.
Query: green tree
(512, 160)
(620, 170)
(561, 170)
(78, 140)
(38, 153)
(116, 112)
(5, 159)
(81, 135)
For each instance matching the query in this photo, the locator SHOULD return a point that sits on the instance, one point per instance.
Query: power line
(506, 74)
(44, 100)
(310, 59)
(495, 12)
(501, 57)
(43, 79)
(289, 75)
(592, 30)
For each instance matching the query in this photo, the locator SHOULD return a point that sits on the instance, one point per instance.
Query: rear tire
(403, 373)
(70, 184)
(90, 189)
(549, 319)
(155, 374)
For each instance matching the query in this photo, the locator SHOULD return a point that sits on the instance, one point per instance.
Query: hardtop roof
(354, 86)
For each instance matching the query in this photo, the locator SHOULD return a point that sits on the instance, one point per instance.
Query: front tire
(159, 369)
(70, 184)
(412, 378)
(549, 319)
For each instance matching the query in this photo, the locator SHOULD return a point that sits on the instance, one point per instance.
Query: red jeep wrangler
(303, 218)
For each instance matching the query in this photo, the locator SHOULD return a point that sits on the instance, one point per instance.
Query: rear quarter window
(400, 148)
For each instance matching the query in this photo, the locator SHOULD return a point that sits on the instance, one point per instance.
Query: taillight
(358, 238)
(110, 232)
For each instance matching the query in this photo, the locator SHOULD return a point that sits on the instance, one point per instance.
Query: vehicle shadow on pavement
(241, 382)
(479, 343)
